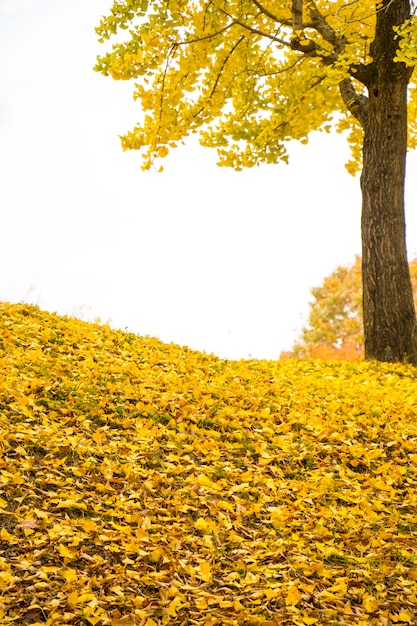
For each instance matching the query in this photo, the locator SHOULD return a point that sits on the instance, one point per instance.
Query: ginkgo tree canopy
(240, 74)
(251, 75)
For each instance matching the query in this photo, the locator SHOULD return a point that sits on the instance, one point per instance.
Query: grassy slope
(144, 483)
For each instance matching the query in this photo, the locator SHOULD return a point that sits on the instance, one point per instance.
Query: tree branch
(205, 37)
(306, 46)
(312, 49)
(297, 15)
(227, 57)
(356, 103)
(266, 12)
(318, 22)
(362, 73)
(321, 25)
(261, 33)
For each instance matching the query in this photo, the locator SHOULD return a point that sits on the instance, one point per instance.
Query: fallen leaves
(148, 484)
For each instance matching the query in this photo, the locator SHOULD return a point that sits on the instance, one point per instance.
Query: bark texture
(390, 325)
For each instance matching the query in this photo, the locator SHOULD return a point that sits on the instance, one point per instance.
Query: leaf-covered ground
(147, 484)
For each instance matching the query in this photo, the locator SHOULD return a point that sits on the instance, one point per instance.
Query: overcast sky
(218, 260)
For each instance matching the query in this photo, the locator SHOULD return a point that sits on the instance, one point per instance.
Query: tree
(335, 323)
(250, 75)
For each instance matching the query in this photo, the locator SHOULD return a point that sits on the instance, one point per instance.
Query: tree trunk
(389, 316)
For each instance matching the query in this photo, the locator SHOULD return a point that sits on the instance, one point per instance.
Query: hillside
(148, 484)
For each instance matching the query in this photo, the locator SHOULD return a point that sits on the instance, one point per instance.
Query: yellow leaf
(63, 551)
(308, 588)
(309, 620)
(155, 555)
(6, 536)
(98, 437)
(17, 479)
(88, 525)
(225, 604)
(255, 620)
(370, 604)
(72, 599)
(173, 606)
(405, 616)
(41, 514)
(93, 620)
(201, 524)
(7, 577)
(271, 593)
(203, 480)
(69, 504)
(86, 597)
(205, 571)
(293, 596)
(201, 603)
(69, 574)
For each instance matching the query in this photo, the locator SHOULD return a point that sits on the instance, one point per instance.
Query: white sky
(218, 260)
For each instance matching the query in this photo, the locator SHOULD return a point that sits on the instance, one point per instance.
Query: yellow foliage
(148, 484)
(239, 75)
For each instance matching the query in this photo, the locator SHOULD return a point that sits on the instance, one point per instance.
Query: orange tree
(250, 75)
(335, 323)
